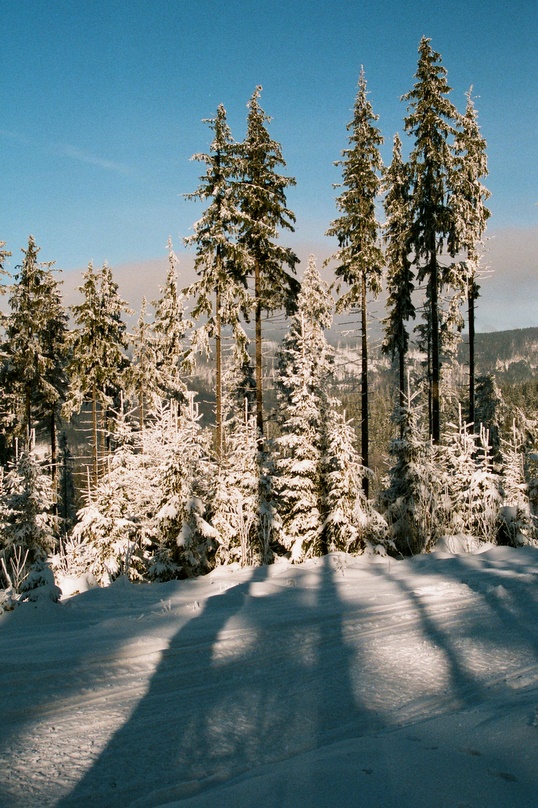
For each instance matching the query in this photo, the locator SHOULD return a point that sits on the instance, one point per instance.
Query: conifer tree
(262, 200)
(349, 522)
(359, 257)
(98, 359)
(26, 509)
(472, 214)
(111, 532)
(431, 120)
(221, 261)
(411, 501)
(169, 329)
(143, 377)
(400, 276)
(35, 346)
(305, 366)
(183, 532)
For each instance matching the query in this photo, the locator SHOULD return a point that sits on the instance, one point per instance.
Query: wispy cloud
(69, 151)
(86, 157)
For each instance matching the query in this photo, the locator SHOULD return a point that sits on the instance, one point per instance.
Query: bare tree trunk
(259, 390)
(218, 381)
(364, 387)
(471, 297)
(435, 350)
(95, 448)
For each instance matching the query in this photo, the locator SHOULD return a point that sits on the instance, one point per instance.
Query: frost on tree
(169, 329)
(26, 503)
(183, 532)
(305, 365)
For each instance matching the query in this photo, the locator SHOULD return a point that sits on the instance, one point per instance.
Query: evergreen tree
(220, 261)
(98, 360)
(359, 257)
(111, 533)
(400, 276)
(143, 376)
(305, 365)
(183, 532)
(472, 214)
(26, 509)
(169, 328)
(431, 120)
(262, 200)
(35, 346)
(412, 499)
(349, 523)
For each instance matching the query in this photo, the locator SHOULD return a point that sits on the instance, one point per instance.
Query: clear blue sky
(102, 101)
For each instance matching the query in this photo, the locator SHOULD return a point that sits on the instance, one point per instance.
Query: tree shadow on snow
(260, 675)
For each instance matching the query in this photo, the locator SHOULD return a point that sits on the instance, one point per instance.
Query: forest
(190, 441)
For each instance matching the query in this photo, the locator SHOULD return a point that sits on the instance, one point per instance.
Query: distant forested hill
(511, 355)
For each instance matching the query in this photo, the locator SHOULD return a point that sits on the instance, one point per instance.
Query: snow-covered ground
(339, 682)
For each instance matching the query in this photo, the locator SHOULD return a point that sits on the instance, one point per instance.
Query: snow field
(342, 681)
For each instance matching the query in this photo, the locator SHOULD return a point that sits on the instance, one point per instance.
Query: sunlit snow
(338, 682)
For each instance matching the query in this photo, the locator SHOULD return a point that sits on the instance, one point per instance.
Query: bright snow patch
(363, 682)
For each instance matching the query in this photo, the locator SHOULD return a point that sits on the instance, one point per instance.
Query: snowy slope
(339, 682)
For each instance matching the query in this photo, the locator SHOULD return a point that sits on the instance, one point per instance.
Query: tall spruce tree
(431, 120)
(305, 367)
(400, 276)
(98, 360)
(262, 199)
(220, 261)
(359, 257)
(35, 346)
(469, 200)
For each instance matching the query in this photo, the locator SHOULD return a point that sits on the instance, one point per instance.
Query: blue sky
(102, 102)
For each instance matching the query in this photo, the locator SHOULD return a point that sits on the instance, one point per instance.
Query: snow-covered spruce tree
(517, 524)
(98, 360)
(235, 506)
(305, 365)
(349, 521)
(411, 502)
(400, 276)
(431, 120)
(35, 347)
(221, 262)
(169, 329)
(262, 200)
(112, 532)
(142, 375)
(472, 488)
(359, 256)
(469, 200)
(26, 515)
(184, 535)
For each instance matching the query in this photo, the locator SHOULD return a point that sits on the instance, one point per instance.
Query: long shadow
(261, 675)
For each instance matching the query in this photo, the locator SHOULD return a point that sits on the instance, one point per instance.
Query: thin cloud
(70, 151)
(85, 157)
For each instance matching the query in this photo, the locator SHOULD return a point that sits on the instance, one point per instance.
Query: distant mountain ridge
(512, 356)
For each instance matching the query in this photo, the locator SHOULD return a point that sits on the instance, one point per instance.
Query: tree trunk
(95, 448)
(471, 297)
(435, 351)
(258, 315)
(218, 381)
(364, 387)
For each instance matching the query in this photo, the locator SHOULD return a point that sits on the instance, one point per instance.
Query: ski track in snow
(341, 681)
